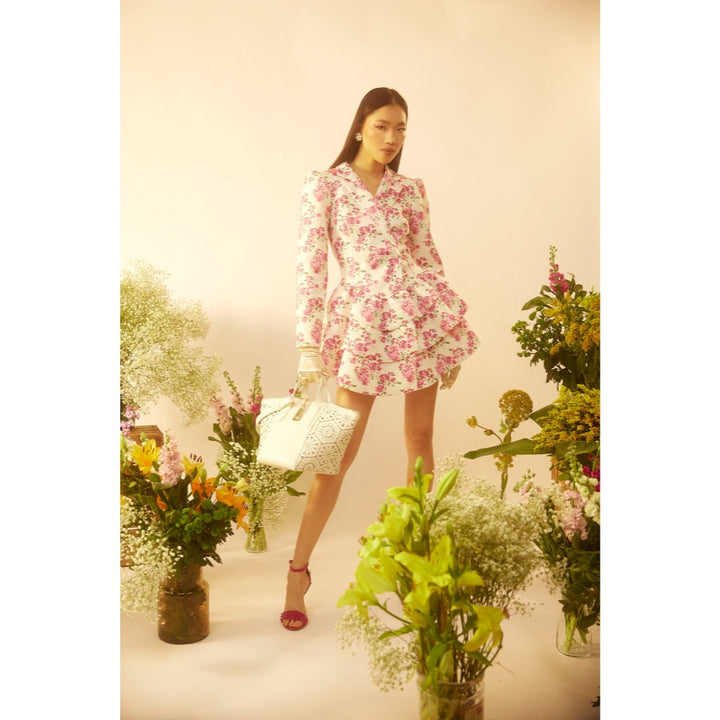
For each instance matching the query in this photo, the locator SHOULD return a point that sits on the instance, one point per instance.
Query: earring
(358, 136)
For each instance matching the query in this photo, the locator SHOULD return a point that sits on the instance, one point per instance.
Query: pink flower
(223, 415)
(573, 520)
(171, 466)
(593, 473)
(557, 280)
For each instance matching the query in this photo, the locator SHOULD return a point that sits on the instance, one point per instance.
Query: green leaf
(404, 630)
(524, 446)
(469, 579)
(446, 484)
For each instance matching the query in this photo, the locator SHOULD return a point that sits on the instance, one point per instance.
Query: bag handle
(322, 394)
(301, 386)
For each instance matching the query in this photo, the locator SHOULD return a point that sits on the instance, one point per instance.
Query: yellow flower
(516, 406)
(190, 464)
(145, 455)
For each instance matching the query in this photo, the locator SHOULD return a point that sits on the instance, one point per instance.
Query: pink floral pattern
(393, 324)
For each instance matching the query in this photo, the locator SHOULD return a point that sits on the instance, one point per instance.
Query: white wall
(227, 104)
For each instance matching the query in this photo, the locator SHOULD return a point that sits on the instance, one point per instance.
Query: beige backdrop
(228, 104)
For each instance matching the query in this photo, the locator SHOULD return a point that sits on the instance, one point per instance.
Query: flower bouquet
(265, 488)
(427, 599)
(563, 331)
(173, 518)
(570, 544)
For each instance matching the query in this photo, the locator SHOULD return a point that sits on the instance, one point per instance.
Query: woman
(393, 324)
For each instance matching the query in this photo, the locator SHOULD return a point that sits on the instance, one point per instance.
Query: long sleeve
(421, 244)
(312, 260)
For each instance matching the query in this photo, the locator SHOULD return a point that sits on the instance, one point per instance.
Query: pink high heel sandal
(296, 615)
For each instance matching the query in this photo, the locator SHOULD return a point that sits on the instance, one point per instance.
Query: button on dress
(393, 323)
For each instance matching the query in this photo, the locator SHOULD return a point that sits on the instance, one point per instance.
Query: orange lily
(226, 495)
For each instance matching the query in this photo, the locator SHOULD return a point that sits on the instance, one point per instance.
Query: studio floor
(250, 667)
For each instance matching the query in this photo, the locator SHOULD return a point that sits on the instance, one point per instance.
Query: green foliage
(406, 556)
(563, 331)
(192, 521)
(571, 422)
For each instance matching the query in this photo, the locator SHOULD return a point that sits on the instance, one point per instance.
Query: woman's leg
(321, 499)
(419, 423)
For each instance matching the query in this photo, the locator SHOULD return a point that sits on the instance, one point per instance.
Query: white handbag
(297, 433)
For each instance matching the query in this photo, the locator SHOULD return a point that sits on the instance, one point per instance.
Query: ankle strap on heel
(302, 569)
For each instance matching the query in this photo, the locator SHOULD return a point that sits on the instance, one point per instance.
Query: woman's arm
(312, 260)
(421, 244)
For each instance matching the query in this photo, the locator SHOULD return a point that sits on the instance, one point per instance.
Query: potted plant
(173, 519)
(160, 349)
(265, 488)
(427, 600)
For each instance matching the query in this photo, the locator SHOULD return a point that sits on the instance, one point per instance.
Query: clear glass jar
(453, 700)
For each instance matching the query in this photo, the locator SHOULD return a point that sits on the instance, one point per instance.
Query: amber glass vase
(183, 607)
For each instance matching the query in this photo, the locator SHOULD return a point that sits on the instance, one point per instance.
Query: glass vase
(256, 542)
(453, 700)
(572, 640)
(183, 607)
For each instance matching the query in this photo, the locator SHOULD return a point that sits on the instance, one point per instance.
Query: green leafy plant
(410, 585)
(563, 331)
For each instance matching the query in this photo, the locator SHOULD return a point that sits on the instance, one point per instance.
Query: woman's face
(383, 134)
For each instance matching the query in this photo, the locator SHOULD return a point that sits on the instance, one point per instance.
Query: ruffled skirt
(378, 342)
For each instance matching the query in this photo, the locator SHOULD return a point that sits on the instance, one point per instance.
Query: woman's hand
(448, 379)
(310, 367)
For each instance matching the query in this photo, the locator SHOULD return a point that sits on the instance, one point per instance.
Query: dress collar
(347, 172)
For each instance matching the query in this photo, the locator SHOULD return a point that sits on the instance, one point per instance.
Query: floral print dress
(393, 324)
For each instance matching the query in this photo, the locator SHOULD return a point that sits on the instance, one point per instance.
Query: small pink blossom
(557, 280)
(171, 466)
(573, 520)
(223, 415)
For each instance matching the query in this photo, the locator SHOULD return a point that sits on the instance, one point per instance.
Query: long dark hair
(374, 100)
